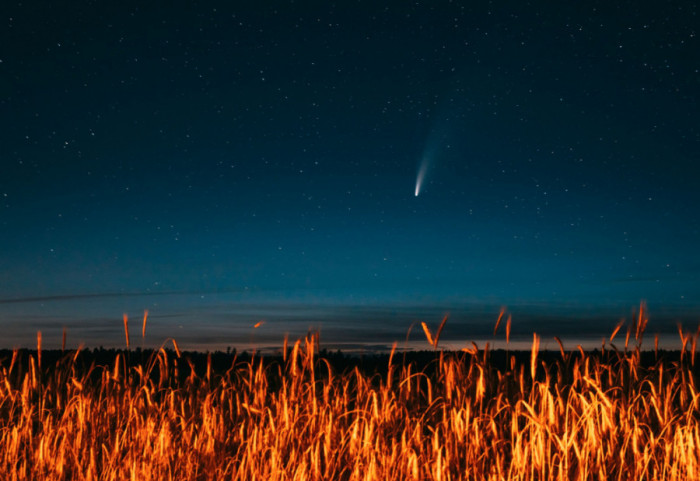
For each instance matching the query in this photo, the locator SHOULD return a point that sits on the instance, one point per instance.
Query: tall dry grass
(577, 416)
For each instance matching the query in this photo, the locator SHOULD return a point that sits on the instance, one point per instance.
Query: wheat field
(619, 414)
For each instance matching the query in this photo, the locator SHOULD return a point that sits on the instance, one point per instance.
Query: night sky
(222, 163)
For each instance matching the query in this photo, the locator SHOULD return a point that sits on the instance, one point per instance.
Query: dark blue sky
(273, 150)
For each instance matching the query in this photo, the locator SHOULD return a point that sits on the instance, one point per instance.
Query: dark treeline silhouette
(217, 363)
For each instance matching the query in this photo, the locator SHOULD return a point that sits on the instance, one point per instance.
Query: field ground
(617, 413)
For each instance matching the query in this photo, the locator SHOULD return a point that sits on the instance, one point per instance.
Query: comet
(436, 146)
(422, 170)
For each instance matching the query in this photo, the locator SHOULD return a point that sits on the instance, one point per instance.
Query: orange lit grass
(580, 417)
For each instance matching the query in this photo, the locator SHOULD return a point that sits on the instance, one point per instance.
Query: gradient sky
(270, 153)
